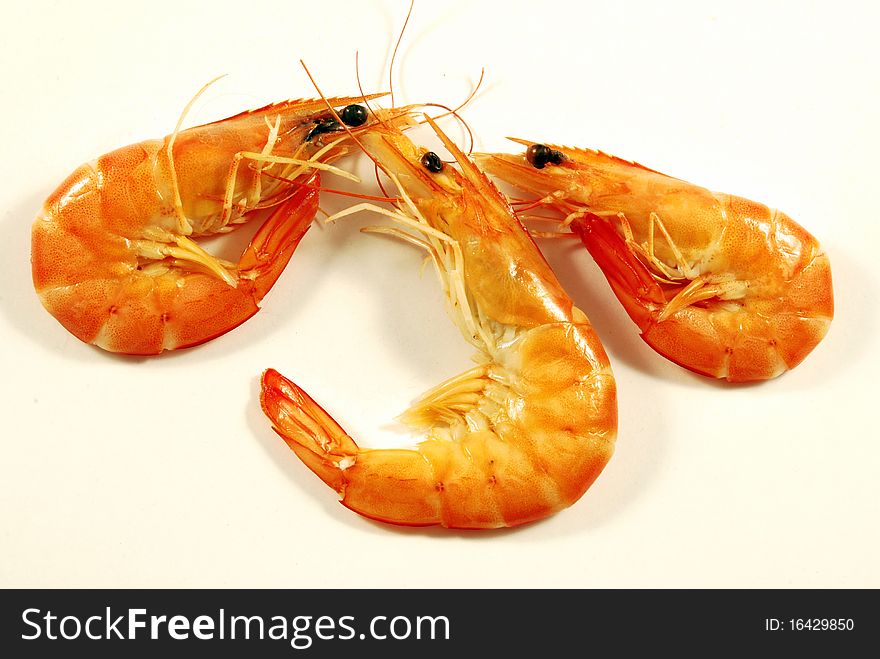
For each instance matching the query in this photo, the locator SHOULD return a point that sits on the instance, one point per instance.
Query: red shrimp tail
(308, 430)
(271, 248)
(630, 279)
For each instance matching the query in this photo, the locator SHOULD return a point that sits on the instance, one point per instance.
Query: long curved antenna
(344, 193)
(357, 75)
(396, 46)
(474, 92)
(455, 114)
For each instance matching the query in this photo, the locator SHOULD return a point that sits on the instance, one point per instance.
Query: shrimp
(114, 256)
(514, 439)
(719, 284)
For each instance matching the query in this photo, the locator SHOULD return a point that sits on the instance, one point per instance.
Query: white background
(163, 472)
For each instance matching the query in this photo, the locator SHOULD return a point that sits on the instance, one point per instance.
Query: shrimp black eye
(431, 161)
(353, 115)
(540, 155)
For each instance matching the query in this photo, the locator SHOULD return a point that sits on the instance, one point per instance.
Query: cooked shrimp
(721, 285)
(113, 251)
(518, 437)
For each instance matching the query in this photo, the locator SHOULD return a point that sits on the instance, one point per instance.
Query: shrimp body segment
(514, 439)
(719, 284)
(113, 253)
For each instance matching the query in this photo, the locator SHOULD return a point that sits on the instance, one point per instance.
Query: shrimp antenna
(396, 46)
(345, 193)
(379, 180)
(357, 75)
(473, 93)
(455, 114)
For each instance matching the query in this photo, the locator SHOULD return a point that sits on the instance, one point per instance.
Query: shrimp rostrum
(512, 440)
(114, 252)
(722, 285)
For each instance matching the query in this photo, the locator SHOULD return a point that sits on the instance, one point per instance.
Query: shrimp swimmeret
(518, 437)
